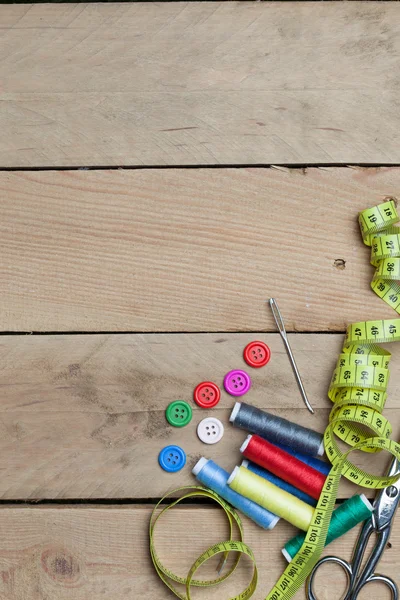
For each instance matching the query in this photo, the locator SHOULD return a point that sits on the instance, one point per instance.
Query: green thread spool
(271, 497)
(346, 516)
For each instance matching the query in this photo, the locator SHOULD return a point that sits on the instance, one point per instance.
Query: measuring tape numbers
(238, 546)
(378, 232)
(358, 391)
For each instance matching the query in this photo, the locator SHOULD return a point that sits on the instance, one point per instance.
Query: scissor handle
(377, 578)
(310, 593)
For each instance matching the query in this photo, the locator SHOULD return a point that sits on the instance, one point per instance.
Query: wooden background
(248, 135)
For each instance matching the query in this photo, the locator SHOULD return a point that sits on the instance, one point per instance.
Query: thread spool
(283, 465)
(214, 477)
(284, 485)
(315, 463)
(277, 430)
(269, 496)
(353, 511)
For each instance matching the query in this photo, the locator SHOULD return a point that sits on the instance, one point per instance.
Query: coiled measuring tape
(358, 391)
(378, 232)
(238, 546)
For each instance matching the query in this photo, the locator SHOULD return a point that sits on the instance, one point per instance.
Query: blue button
(172, 459)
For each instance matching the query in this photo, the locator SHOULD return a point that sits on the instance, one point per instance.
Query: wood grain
(83, 416)
(194, 83)
(71, 553)
(187, 250)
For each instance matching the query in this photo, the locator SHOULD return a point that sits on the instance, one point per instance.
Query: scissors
(380, 523)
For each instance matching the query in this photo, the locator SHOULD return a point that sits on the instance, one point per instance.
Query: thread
(283, 465)
(315, 463)
(284, 485)
(215, 478)
(277, 430)
(346, 516)
(269, 496)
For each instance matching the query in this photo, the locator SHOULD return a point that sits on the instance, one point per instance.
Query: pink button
(237, 382)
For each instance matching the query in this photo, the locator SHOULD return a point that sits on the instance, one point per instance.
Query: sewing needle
(279, 323)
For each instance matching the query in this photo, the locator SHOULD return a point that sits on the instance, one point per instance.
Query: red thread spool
(284, 465)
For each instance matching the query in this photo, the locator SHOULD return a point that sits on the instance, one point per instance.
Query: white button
(210, 430)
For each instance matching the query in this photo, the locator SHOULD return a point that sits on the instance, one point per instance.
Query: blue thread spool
(215, 477)
(279, 482)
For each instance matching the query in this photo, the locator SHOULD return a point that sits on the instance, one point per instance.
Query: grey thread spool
(277, 430)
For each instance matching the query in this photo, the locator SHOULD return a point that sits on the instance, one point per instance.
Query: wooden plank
(199, 83)
(63, 553)
(187, 250)
(83, 416)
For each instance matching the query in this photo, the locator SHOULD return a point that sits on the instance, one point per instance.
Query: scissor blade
(387, 501)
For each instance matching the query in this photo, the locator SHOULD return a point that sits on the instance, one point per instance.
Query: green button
(179, 413)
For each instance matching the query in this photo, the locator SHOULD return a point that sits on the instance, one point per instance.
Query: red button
(257, 354)
(207, 394)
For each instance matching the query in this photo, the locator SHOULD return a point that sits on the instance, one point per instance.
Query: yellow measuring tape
(238, 546)
(358, 391)
(378, 232)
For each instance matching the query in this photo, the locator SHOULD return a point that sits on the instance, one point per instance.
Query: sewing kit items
(257, 354)
(276, 429)
(209, 474)
(210, 430)
(358, 392)
(283, 465)
(271, 497)
(178, 413)
(379, 523)
(172, 459)
(353, 511)
(359, 398)
(303, 562)
(284, 485)
(234, 544)
(206, 394)
(276, 313)
(237, 382)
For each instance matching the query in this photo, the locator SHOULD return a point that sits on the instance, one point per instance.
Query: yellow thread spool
(269, 496)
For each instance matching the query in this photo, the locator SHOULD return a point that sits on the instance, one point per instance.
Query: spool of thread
(269, 496)
(315, 463)
(346, 516)
(283, 465)
(284, 485)
(277, 430)
(215, 478)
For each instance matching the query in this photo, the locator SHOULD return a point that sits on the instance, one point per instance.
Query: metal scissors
(380, 523)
